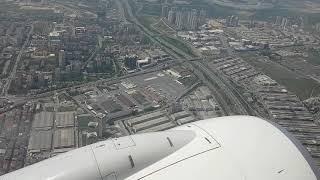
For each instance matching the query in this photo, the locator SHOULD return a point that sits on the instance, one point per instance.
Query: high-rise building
(186, 19)
(76, 67)
(185, 13)
(278, 21)
(62, 59)
(236, 21)
(172, 16)
(284, 23)
(193, 20)
(29, 80)
(131, 62)
(229, 20)
(165, 10)
(179, 20)
(317, 27)
(202, 16)
(301, 22)
(41, 80)
(232, 21)
(57, 74)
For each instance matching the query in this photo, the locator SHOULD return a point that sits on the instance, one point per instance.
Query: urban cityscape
(77, 72)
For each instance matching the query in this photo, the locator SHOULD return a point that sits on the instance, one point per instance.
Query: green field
(154, 24)
(13, 12)
(84, 120)
(152, 9)
(147, 21)
(314, 57)
(179, 44)
(303, 87)
(162, 27)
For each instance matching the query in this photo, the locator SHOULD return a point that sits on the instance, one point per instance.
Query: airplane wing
(225, 148)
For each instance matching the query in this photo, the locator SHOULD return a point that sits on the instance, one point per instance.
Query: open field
(302, 86)
(152, 9)
(147, 20)
(163, 27)
(314, 57)
(306, 6)
(179, 44)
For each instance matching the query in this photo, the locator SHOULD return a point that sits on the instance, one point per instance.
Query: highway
(130, 17)
(93, 54)
(121, 11)
(227, 98)
(230, 100)
(15, 67)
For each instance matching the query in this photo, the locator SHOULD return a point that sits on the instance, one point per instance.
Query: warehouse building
(150, 124)
(64, 119)
(64, 138)
(185, 120)
(160, 127)
(179, 115)
(144, 118)
(40, 141)
(155, 121)
(182, 117)
(43, 120)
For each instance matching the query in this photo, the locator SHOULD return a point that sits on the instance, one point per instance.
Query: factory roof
(64, 119)
(144, 118)
(40, 140)
(43, 120)
(64, 138)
